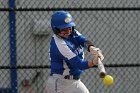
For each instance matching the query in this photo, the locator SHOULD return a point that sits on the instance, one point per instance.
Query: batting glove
(96, 52)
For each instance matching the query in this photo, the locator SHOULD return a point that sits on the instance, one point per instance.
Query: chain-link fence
(112, 25)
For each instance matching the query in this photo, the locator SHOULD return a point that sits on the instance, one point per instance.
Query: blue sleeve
(78, 63)
(81, 39)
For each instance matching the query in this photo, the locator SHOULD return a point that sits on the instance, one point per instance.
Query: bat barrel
(101, 68)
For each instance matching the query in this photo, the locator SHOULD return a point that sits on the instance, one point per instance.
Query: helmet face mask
(64, 33)
(61, 20)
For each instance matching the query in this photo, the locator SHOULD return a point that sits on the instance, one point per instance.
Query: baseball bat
(101, 68)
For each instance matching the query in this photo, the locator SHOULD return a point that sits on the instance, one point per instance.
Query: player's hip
(57, 84)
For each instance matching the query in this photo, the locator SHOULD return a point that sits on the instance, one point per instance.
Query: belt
(71, 77)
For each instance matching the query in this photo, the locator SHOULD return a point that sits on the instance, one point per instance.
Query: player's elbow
(83, 65)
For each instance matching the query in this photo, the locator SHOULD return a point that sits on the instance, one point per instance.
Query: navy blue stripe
(56, 85)
(13, 61)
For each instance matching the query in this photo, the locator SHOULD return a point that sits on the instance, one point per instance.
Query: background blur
(112, 25)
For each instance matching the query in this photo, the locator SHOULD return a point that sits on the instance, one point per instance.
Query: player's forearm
(87, 64)
(78, 63)
(92, 63)
(83, 64)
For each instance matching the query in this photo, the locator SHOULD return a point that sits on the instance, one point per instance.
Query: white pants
(56, 84)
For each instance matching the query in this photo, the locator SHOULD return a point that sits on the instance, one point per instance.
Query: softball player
(67, 55)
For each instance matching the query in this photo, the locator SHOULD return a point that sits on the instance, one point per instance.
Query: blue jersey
(67, 55)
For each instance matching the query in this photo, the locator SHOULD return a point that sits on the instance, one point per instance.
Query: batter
(67, 55)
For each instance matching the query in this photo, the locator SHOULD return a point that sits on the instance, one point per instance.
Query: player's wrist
(92, 48)
(89, 47)
(92, 63)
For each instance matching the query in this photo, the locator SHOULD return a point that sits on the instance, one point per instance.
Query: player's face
(65, 32)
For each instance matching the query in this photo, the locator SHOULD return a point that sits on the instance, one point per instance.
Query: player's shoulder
(58, 39)
(76, 32)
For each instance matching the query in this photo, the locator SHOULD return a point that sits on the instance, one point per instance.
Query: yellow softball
(108, 80)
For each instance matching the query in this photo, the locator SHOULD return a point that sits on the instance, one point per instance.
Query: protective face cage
(58, 30)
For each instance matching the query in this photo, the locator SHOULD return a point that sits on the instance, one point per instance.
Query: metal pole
(13, 61)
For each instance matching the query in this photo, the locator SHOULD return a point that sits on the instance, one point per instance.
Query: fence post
(13, 61)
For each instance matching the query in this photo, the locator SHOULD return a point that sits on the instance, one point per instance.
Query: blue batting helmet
(61, 20)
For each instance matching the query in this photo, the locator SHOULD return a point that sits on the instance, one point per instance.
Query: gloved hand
(96, 52)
